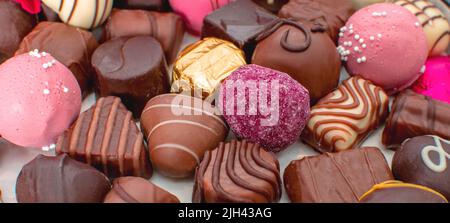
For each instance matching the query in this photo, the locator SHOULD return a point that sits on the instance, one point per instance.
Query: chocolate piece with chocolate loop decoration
(284, 40)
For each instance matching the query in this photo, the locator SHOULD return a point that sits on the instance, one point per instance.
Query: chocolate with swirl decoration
(434, 23)
(424, 160)
(299, 49)
(106, 137)
(238, 172)
(344, 118)
(86, 14)
(415, 115)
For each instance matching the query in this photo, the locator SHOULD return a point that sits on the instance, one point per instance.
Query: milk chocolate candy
(335, 177)
(71, 46)
(238, 172)
(203, 65)
(239, 22)
(423, 160)
(332, 15)
(305, 52)
(398, 192)
(344, 118)
(106, 137)
(179, 130)
(434, 23)
(60, 180)
(167, 28)
(271, 5)
(15, 24)
(415, 115)
(138, 190)
(132, 68)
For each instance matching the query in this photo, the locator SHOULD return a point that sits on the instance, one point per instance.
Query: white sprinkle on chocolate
(356, 36)
(423, 69)
(372, 38)
(65, 89)
(46, 91)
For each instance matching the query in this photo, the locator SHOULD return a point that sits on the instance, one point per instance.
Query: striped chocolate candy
(85, 14)
(434, 23)
(179, 131)
(106, 137)
(344, 118)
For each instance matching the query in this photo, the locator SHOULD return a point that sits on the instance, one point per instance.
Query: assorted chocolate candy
(132, 68)
(238, 172)
(335, 177)
(398, 192)
(268, 70)
(60, 179)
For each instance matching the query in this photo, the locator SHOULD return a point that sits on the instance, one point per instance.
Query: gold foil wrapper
(202, 66)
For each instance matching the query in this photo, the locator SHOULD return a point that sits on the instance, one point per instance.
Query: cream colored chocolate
(85, 14)
(345, 117)
(434, 23)
(179, 131)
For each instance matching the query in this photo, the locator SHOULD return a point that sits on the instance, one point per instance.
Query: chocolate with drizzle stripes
(179, 132)
(106, 137)
(335, 177)
(344, 118)
(238, 172)
(434, 23)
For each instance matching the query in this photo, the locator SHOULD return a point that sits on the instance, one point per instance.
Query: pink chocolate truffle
(435, 82)
(264, 106)
(39, 99)
(194, 11)
(384, 43)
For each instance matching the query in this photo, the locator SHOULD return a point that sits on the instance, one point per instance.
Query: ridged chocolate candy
(238, 172)
(167, 28)
(138, 190)
(15, 24)
(71, 46)
(60, 180)
(132, 68)
(106, 137)
(179, 132)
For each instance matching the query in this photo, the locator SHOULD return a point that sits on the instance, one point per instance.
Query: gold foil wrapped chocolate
(202, 66)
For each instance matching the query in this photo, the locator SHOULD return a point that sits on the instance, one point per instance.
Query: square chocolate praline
(239, 22)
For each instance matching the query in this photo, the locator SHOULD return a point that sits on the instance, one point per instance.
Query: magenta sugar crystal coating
(264, 106)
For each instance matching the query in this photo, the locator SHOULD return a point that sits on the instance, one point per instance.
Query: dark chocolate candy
(398, 192)
(106, 137)
(71, 46)
(305, 52)
(423, 160)
(331, 14)
(150, 5)
(15, 24)
(179, 132)
(238, 172)
(138, 190)
(239, 22)
(47, 14)
(415, 115)
(335, 177)
(271, 5)
(132, 68)
(167, 28)
(60, 180)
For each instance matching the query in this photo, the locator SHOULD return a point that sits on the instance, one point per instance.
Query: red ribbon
(31, 6)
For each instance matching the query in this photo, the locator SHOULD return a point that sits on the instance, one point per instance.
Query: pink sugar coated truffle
(194, 11)
(435, 82)
(264, 106)
(39, 99)
(386, 44)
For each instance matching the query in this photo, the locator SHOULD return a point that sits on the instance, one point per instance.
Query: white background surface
(13, 158)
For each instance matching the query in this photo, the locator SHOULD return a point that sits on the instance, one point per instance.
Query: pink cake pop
(384, 43)
(39, 99)
(435, 82)
(194, 11)
(264, 106)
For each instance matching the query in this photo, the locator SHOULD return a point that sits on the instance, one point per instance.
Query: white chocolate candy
(85, 14)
